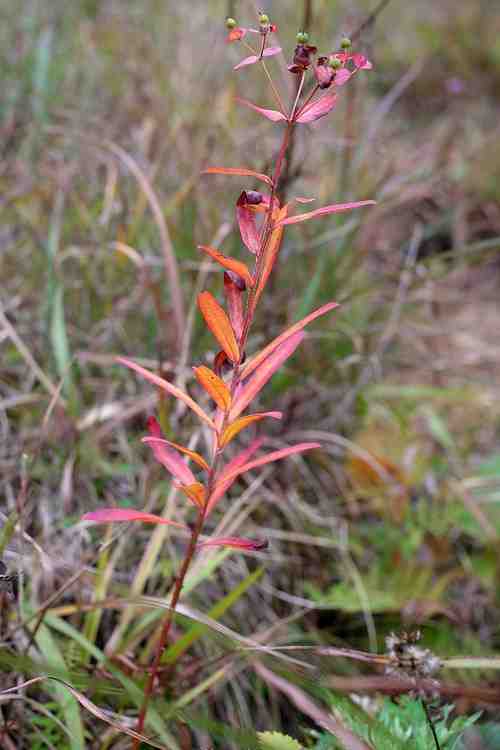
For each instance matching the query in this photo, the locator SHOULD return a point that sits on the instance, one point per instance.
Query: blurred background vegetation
(109, 111)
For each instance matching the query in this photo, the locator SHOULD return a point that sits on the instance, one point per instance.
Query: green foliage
(400, 725)
(278, 741)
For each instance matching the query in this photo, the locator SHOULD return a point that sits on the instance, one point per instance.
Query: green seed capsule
(302, 37)
(345, 42)
(263, 18)
(334, 63)
(230, 23)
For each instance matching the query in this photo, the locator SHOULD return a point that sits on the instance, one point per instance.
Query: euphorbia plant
(234, 381)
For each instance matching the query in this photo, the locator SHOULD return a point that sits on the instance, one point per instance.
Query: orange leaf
(218, 322)
(182, 449)
(239, 171)
(214, 386)
(196, 493)
(230, 263)
(233, 429)
(234, 302)
(172, 389)
(271, 252)
(261, 356)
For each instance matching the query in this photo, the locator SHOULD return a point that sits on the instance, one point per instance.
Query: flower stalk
(233, 383)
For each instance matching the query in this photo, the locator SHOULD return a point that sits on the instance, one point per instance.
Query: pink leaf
(170, 459)
(270, 51)
(236, 542)
(261, 356)
(172, 389)
(317, 109)
(335, 208)
(263, 373)
(271, 114)
(110, 515)
(222, 484)
(361, 62)
(342, 76)
(252, 59)
(267, 459)
(246, 223)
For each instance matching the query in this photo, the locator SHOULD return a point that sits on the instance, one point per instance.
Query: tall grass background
(109, 112)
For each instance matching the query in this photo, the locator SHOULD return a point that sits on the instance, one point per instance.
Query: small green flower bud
(230, 23)
(263, 19)
(334, 63)
(345, 42)
(302, 37)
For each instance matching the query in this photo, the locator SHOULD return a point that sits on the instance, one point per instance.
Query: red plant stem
(198, 528)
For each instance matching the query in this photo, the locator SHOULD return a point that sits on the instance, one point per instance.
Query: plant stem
(198, 528)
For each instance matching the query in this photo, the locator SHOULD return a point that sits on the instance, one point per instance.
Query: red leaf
(234, 299)
(222, 484)
(271, 253)
(361, 62)
(246, 223)
(261, 356)
(263, 373)
(317, 109)
(220, 325)
(334, 208)
(229, 263)
(271, 114)
(170, 459)
(240, 171)
(111, 515)
(267, 459)
(172, 389)
(236, 542)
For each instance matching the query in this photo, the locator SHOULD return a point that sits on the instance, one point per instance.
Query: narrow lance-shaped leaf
(263, 373)
(218, 322)
(172, 389)
(247, 225)
(168, 458)
(335, 208)
(193, 455)
(234, 301)
(165, 455)
(271, 254)
(267, 459)
(196, 493)
(233, 429)
(238, 460)
(229, 263)
(252, 59)
(319, 108)
(240, 172)
(270, 114)
(264, 353)
(214, 386)
(112, 515)
(236, 542)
